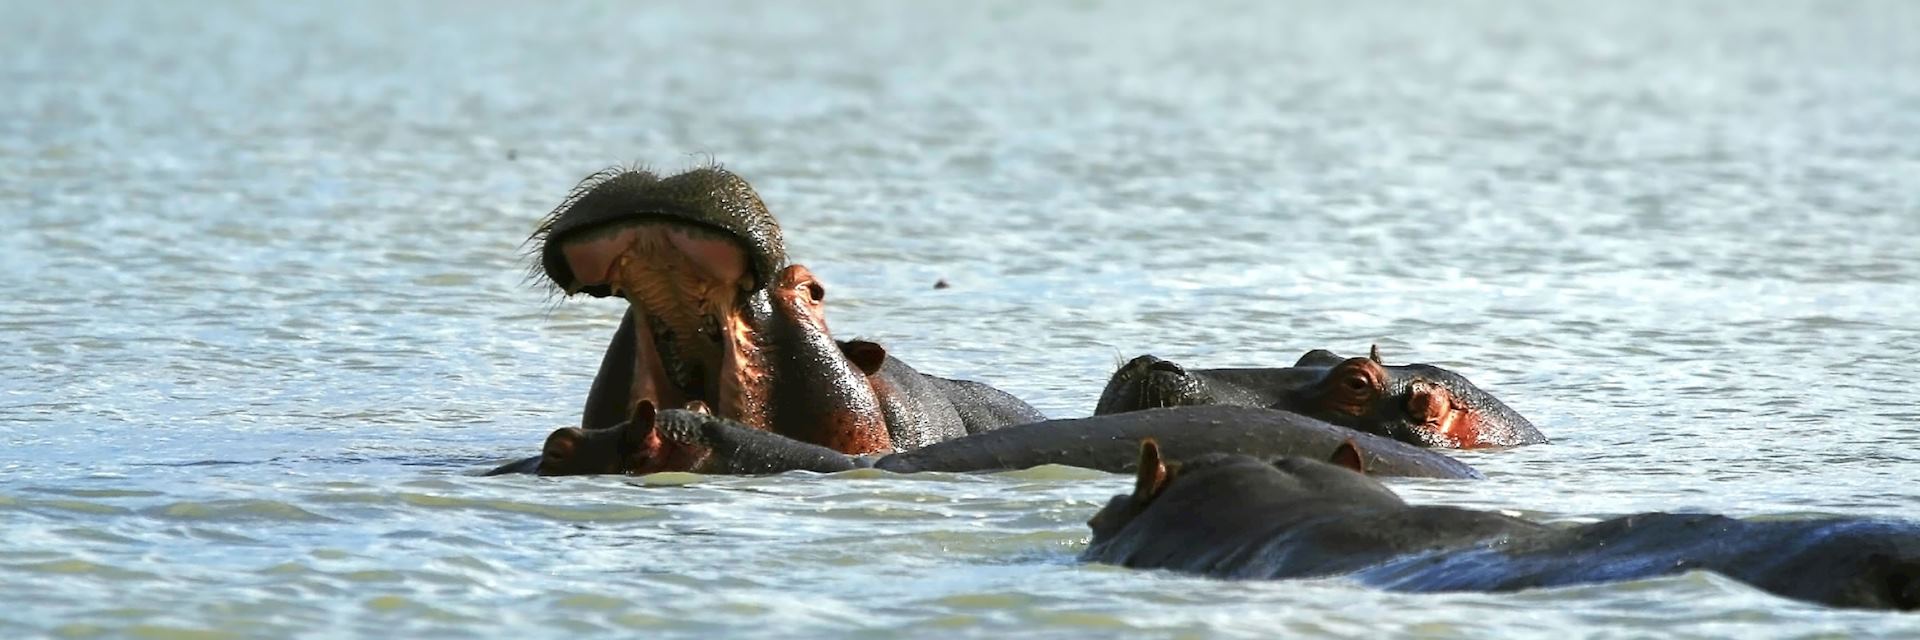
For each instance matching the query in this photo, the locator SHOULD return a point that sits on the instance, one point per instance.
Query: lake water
(265, 311)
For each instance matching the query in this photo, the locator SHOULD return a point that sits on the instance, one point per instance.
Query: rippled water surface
(265, 314)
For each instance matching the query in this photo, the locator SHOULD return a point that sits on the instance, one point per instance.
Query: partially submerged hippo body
(677, 440)
(924, 409)
(1108, 443)
(1237, 516)
(1111, 442)
(1419, 404)
(716, 317)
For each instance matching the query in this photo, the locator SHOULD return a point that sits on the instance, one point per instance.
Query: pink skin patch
(596, 259)
(719, 259)
(1434, 409)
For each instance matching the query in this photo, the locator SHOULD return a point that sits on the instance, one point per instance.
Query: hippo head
(1416, 403)
(1150, 382)
(649, 441)
(688, 252)
(1340, 477)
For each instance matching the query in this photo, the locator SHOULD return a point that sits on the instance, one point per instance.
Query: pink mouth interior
(684, 283)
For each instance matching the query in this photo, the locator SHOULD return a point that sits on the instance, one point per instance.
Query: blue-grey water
(265, 313)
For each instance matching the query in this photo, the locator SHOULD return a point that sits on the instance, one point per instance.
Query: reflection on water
(265, 308)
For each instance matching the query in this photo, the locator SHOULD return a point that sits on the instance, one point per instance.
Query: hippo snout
(1167, 366)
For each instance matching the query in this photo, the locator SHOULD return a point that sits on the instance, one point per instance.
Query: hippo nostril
(1166, 366)
(1428, 403)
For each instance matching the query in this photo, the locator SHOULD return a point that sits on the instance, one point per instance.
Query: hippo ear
(639, 424)
(559, 451)
(868, 356)
(1348, 455)
(1318, 358)
(642, 413)
(1373, 353)
(1152, 470)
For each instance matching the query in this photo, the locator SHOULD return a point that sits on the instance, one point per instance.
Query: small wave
(78, 567)
(573, 513)
(236, 511)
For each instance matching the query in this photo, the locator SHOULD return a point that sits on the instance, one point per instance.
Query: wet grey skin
(1149, 382)
(818, 395)
(1419, 404)
(1107, 443)
(922, 409)
(1111, 443)
(1243, 517)
(681, 441)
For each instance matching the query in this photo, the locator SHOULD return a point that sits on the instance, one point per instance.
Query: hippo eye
(1354, 384)
(816, 292)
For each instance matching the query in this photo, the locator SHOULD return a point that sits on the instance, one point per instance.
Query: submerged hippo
(1416, 403)
(713, 316)
(1237, 516)
(1110, 443)
(713, 444)
(652, 441)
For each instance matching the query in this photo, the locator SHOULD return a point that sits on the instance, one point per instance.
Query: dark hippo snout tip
(1151, 363)
(1167, 366)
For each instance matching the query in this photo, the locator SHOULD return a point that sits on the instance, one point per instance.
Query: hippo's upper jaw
(688, 252)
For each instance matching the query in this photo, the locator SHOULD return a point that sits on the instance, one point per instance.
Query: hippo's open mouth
(688, 253)
(685, 285)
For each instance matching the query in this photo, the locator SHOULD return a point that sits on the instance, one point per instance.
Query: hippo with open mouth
(693, 255)
(1419, 404)
(717, 317)
(1242, 517)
